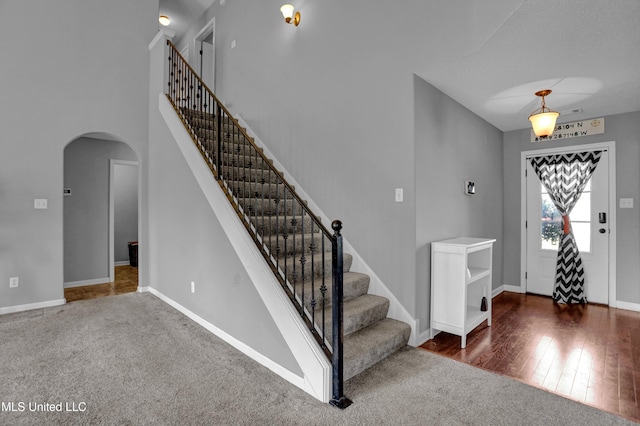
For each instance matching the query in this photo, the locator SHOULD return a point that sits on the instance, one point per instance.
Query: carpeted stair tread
(272, 225)
(297, 244)
(372, 344)
(354, 284)
(293, 269)
(358, 313)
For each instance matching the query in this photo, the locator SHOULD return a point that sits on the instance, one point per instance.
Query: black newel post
(338, 399)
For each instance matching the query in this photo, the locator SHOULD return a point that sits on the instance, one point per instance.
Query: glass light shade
(164, 20)
(287, 11)
(544, 123)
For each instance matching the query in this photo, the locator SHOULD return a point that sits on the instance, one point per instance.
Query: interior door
(207, 58)
(590, 224)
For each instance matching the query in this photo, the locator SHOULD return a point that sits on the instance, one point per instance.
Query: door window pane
(551, 221)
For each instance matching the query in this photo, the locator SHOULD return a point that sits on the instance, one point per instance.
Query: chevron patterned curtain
(564, 176)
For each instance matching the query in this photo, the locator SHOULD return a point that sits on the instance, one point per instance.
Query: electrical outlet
(14, 282)
(193, 287)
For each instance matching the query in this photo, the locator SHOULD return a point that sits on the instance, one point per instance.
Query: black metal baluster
(338, 399)
(285, 231)
(219, 143)
(277, 207)
(294, 270)
(312, 249)
(303, 261)
(323, 291)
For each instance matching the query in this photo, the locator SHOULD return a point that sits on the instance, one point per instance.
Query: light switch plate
(40, 203)
(626, 203)
(399, 195)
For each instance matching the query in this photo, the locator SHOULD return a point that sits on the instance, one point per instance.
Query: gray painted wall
(624, 129)
(453, 145)
(86, 211)
(125, 210)
(82, 74)
(335, 105)
(187, 243)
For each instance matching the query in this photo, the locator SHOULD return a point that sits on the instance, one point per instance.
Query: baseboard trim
(31, 306)
(628, 306)
(145, 289)
(82, 283)
(513, 288)
(423, 337)
(242, 347)
(121, 263)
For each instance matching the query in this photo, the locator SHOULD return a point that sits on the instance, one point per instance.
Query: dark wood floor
(590, 353)
(126, 281)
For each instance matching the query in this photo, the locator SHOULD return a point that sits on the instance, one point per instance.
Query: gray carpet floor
(133, 360)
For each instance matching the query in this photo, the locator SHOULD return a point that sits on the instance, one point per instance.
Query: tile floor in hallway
(589, 353)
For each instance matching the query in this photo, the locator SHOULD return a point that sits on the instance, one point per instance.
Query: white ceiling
(586, 51)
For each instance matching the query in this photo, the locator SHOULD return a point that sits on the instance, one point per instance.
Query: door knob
(602, 230)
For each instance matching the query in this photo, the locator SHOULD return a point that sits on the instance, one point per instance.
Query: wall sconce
(289, 18)
(164, 20)
(543, 120)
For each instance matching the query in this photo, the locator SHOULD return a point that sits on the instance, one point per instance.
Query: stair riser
(359, 313)
(382, 339)
(208, 121)
(354, 285)
(249, 189)
(269, 225)
(294, 274)
(236, 163)
(295, 244)
(211, 136)
(257, 208)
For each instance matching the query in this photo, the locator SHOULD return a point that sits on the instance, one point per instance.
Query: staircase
(351, 326)
(369, 335)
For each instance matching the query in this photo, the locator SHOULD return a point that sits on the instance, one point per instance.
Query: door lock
(602, 217)
(602, 230)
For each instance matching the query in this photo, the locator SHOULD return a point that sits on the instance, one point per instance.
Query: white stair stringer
(313, 362)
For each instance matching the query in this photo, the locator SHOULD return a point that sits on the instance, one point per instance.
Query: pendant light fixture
(543, 120)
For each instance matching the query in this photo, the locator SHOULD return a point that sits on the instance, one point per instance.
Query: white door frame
(609, 146)
(210, 28)
(112, 165)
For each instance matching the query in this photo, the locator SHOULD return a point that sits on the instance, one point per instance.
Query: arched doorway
(101, 181)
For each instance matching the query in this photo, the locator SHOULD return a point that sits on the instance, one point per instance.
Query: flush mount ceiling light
(164, 20)
(289, 18)
(543, 120)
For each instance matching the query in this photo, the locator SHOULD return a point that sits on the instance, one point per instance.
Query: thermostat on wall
(469, 187)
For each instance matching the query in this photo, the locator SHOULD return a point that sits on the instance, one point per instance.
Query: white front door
(590, 221)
